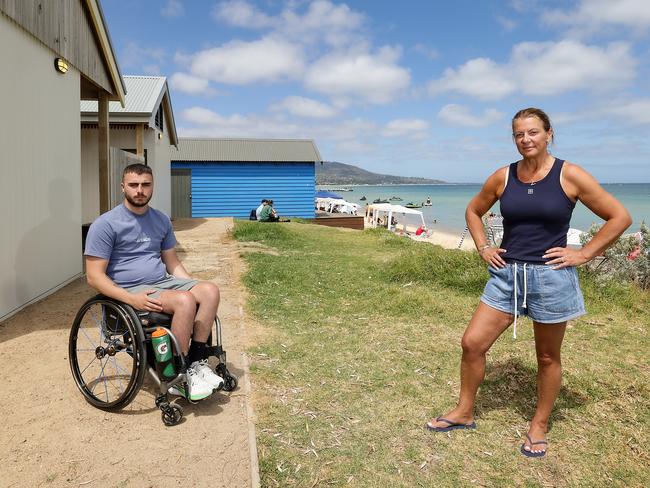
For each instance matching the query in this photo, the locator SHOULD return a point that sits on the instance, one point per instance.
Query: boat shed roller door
(233, 189)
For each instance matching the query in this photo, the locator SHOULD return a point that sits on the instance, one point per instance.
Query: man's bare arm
(97, 278)
(174, 265)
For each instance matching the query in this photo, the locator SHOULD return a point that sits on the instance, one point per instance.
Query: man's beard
(135, 203)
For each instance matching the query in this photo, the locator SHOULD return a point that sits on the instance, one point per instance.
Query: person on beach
(130, 257)
(533, 272)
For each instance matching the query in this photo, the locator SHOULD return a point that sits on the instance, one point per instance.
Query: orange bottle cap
(159, 332)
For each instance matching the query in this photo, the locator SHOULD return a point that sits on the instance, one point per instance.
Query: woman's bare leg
(486, 325)
(548, 343)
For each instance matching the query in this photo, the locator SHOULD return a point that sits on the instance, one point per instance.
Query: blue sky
(414, 88)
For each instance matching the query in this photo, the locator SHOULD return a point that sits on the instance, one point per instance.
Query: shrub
(628, 259)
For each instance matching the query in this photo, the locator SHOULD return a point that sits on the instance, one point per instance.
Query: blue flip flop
(532, 454)
(451, 426)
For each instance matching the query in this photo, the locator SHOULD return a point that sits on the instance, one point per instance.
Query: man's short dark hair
(138, 169)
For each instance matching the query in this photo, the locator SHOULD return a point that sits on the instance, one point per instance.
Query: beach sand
(448, 240)
(443, 238)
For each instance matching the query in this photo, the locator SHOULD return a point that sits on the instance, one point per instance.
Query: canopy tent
(375, 211)
(336, 205)
(328, 194)
(573, 237)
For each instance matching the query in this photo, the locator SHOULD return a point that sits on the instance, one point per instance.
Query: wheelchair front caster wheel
(171, 415)
(229, 382)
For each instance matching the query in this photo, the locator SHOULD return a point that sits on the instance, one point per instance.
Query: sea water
(450, 200)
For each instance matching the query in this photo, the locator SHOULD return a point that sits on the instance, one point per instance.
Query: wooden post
(103, 153)
(139, 140)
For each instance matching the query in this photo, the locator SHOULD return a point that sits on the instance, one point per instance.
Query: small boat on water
(427, 203)
(379, 200)
(363, 198)
(343, 189)
(413, 205)
(395, 199)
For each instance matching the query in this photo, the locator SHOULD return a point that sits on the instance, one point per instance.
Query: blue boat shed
(229, 177)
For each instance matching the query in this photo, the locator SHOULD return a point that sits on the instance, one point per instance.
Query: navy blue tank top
(536, 216)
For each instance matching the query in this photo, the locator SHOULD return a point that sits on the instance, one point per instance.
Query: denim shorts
(548, 295)
(168, 283)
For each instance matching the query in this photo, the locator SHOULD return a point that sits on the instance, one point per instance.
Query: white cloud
(202, 122)
(189, 84)
(413, 128)
(628, 112)
(570, 65)
(459, 115)
(242, 14)
(173, 8)
(373, 78)
(207, 123)
(592, 15)
(481, 78)
(633, 112)
(541, 68)
(240, 63)
(306, 107)
(337, 25)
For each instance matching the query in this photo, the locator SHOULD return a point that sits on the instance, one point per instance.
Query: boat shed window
(159, 118)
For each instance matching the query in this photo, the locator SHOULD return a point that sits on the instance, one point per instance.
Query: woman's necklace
(533, 180)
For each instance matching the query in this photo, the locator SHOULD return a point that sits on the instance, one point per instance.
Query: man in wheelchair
(130, 257)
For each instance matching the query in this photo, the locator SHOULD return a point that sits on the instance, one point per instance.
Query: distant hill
(334, 173)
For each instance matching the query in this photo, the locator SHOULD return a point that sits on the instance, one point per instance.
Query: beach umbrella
(328, 194)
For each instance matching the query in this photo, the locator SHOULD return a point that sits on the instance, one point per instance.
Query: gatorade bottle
(162, 349)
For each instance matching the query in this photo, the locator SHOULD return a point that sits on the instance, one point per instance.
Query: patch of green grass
(365, 349)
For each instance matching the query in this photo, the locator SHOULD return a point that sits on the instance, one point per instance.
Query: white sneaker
(206, 374)
(198, 389)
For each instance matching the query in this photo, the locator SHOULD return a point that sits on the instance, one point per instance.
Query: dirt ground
(52, 437)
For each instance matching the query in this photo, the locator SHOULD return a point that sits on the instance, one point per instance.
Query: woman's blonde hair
(534, 112)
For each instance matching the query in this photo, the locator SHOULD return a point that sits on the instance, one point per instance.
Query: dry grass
(364, 350)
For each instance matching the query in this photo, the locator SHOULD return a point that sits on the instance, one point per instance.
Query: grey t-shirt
(132, 244)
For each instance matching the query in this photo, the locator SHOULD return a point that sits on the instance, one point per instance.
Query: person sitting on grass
(130, 257)
(269, 214)
(258, 210)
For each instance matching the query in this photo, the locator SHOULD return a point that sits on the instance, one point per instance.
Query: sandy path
(52, 437)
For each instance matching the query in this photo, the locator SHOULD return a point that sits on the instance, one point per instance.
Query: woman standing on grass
(534, 272)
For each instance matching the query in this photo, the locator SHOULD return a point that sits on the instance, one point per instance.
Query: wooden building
(229, 177)
(144, 127)
(54, 54)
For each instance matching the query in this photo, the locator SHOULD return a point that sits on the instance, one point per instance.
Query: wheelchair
(110, 351)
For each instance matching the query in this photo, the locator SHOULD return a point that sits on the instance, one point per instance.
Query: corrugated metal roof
(142, 93)
(246, 150)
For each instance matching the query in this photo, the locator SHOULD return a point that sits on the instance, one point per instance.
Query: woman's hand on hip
(492, 256)
(563, 257)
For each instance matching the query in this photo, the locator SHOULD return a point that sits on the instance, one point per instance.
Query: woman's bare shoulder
(572, 171)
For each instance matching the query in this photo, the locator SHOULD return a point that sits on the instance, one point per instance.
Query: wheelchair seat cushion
(155, 318)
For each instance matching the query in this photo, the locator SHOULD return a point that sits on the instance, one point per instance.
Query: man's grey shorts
(168, 283)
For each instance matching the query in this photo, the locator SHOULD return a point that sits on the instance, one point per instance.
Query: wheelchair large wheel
(107, 354)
